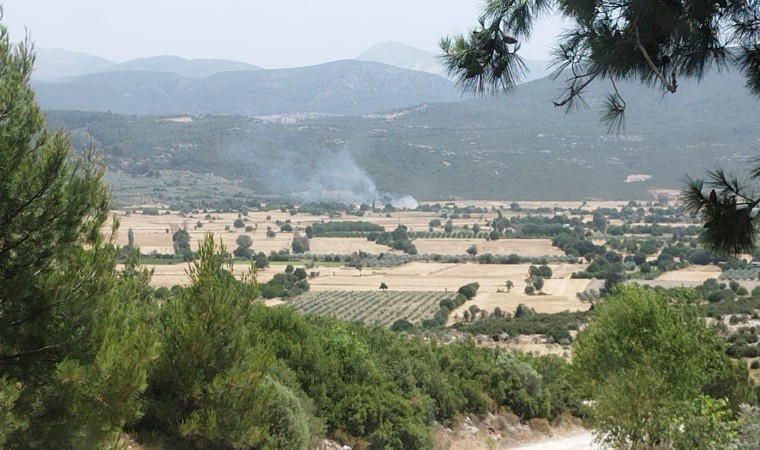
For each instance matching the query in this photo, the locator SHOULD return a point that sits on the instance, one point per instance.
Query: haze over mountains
(401, 55)
(387, 76)
(55, 65)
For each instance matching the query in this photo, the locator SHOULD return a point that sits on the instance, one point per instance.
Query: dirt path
(581, 441)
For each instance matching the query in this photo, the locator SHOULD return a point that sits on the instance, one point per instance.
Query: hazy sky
(272, 34)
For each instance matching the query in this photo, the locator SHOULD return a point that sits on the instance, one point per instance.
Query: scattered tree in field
(181, 241)
(470, 290)
(239, 223)
(538, 283)
(356, 262)
(657, 374)
(130, 239)
(383, 286)
(599, 221)
(472, 250)
(474, 310)
(300, 244)
(448, 227)
(475, 229)
(494, 235)
(261, 261)
(244, 250)
(540, 271)
(509, 284)
(434, 223)
(271, 233)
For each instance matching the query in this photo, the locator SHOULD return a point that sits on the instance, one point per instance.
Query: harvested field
(691, 274)
(155, 232)
(522, 247)
(346, 246)
(509, 302)
(168, 275)
(420, 276)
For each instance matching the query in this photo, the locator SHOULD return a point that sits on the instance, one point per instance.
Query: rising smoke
(335, 176)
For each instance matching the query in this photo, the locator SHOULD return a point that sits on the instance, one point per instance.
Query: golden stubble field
(420, 276)
(154, 233)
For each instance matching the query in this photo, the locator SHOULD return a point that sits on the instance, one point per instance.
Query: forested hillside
(514, 146)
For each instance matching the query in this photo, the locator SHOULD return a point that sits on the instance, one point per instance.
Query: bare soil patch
(522, 247)
(692, 273)
(346, 246)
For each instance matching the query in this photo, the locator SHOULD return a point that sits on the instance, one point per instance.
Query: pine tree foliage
(727, 205)
(74, 351)
(206, 391)
(650, 41)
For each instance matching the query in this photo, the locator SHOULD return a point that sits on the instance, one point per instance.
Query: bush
(723, 294)
(469, 290)
(540, 425)
(402, 325)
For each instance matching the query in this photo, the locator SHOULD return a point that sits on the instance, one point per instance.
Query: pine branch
(575, 91)
(672, 86)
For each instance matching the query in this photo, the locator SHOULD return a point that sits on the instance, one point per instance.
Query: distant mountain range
(180, 66)
(387, 76)
(55, 65)
(346, 87)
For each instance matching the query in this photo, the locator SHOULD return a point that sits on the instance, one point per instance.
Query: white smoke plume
(337, 177)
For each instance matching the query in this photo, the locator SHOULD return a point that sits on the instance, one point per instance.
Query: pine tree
(74, 349)
(656, 43)
(653, 42)
(205, 391)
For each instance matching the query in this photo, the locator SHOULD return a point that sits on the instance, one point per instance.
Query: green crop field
(371, 307)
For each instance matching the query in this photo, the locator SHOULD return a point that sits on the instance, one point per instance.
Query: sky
(271, 34)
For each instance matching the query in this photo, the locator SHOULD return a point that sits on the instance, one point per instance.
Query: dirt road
(582, 441)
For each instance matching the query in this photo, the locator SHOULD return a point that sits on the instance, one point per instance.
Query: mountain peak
(404, 56)
(54, 64)
(181, 66)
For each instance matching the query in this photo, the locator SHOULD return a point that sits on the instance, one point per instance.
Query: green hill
(517, 146)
